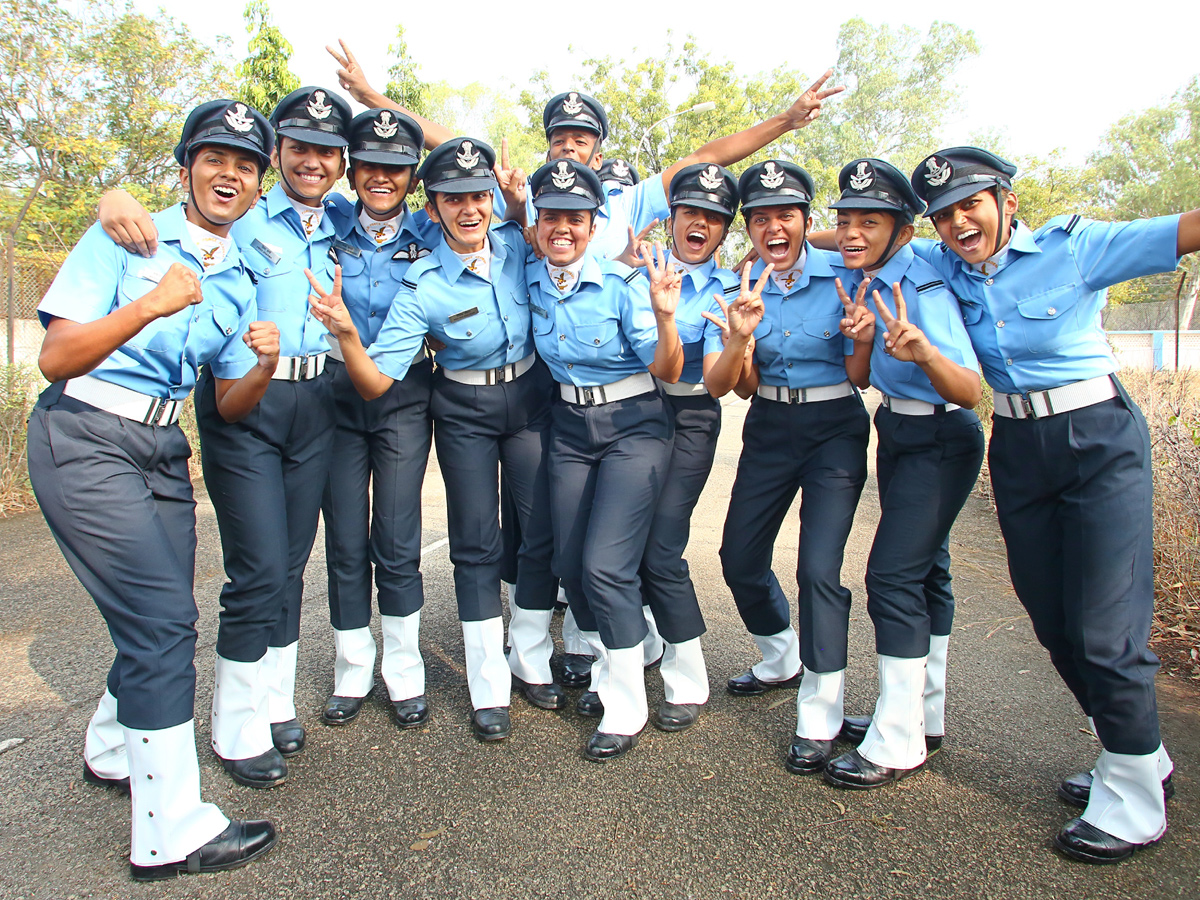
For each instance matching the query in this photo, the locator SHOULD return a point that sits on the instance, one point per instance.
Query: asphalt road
(370, 811)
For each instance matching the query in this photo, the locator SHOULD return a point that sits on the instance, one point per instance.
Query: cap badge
(862, 177)
(384, 126)
(710, 178)
(939, 172)
(563, 176)
(317, 107)
(620, 168)
(467, 156)
(772, 177)
(572, 106)
(236, 118)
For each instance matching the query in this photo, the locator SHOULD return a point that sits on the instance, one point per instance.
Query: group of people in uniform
(571, 373)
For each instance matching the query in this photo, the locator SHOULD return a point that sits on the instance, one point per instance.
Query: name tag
(465, 314)
(151, 273)
(537, 309)
(346, 246)
(272, 254)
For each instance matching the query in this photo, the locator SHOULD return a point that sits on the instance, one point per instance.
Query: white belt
(299, 368)
(511, 372)
(806, 395)
(640, 383)
(123, 402)
(682, 388)
(335, 352)
(1039, 404)
(906, 407)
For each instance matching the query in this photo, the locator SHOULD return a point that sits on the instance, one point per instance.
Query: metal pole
(699, 107)
(1178, 292)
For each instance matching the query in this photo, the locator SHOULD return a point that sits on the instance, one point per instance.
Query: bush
(19, 387)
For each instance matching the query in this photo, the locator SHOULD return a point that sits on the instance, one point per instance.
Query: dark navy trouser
(927, 466)
(372, 499)
(1074, 494)
(118, 500)
(608, 464)
(819, 449)
(666, 583)
(478, 428)
(265, 476)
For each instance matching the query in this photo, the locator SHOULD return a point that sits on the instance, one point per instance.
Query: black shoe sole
(258, 784)
(830, 779)
(118, 784)
(560, 703)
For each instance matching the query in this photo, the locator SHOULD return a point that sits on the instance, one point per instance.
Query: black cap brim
(870, 203)
(776, 200)
(463, 185)
(384, 158)
(312, 136)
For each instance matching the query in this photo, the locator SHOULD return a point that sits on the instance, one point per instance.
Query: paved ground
(369, 811)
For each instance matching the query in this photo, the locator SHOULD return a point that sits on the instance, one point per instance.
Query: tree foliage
(265, 78)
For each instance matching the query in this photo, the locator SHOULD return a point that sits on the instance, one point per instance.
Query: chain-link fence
(33, 270)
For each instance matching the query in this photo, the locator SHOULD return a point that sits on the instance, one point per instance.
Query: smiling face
(309, 171)
(862, 235)
(777, 233)
(464, 218)
(564, 233)
(969, 227)
(576, 144)
(696, 233)
(223, 183)
(381, 188)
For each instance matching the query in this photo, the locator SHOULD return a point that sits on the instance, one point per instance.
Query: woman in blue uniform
(372, 503)
(490, 407)
(604, 341)
(266, 473)
(806, 430)
(125, 338)
(703, 201)
(1070, 464)
(930, 450)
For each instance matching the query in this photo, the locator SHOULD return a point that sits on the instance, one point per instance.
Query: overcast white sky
(1050, 74)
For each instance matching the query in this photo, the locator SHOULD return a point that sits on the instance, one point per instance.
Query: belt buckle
(795, 395)
(589, 396)
(1025, 406)
(491, 376)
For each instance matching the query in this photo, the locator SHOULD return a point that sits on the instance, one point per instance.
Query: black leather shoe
(1077, 789)
(854, 771)
(807, 757)
(263, 771)
(288, 737)
(602, 747)
(854, 729)
(121, 784)
(589, 705)
(577, 670)
(677, 716)
(1083, 841)
(411, 713)
(241, 842)
(341, 710)
(543, 696)
(749, 685)
(491, 724)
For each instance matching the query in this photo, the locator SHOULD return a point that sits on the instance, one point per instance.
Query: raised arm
(127, 222)
(732, 148)
(1188, 239)
(353, 79)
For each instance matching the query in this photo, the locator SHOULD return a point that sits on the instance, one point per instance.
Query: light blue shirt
(798, 344)
(372, 273)
(484, 322)
(602, 330)
(163, 359)
(1035, 323)
(698, 335)
(931, 308)
(277, 252)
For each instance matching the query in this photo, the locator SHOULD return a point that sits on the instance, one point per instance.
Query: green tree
(404, 83)
(265, 78)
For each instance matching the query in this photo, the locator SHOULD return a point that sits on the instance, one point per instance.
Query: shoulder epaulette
(1074, 220)
(632, 275)
(411, 285)
(733, 289)
(930, 285)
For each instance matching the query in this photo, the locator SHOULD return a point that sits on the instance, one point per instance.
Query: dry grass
(1171, 404)
(19, 387)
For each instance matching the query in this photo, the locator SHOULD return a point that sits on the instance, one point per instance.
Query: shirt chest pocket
(820, 338)
(166, 334)
(1050, 319)
(766, 343)
(471, 328)
(689, 332)
(281, 284)
(592, 342)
